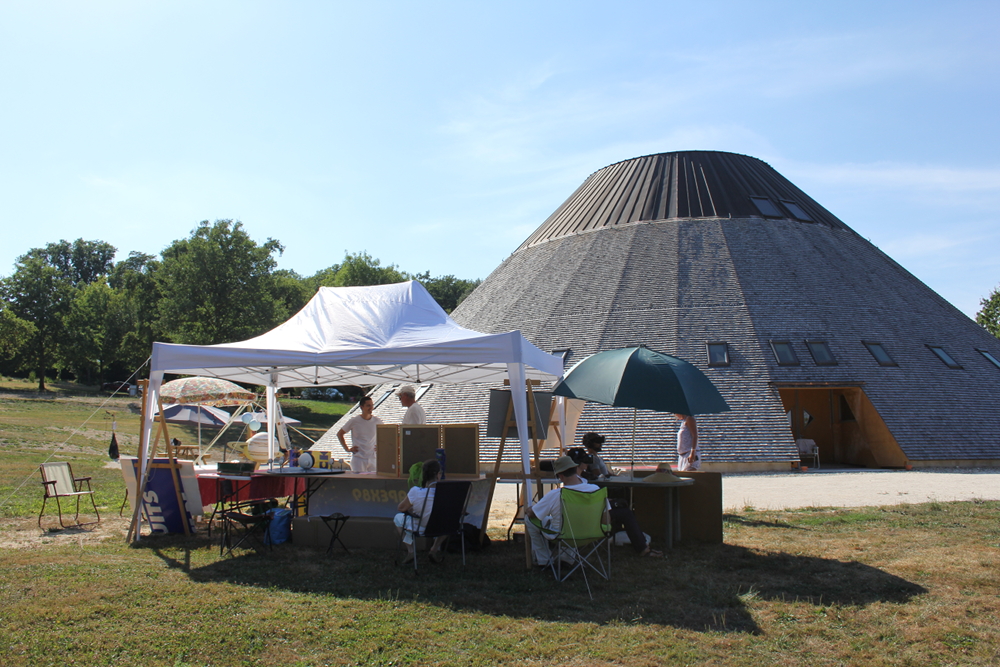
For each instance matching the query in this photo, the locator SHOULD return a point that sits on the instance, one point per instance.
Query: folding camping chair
(451, 498)
(246, 524)
(585, 530)
(58, 480)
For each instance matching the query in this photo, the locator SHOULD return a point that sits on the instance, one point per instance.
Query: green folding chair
(584, 540)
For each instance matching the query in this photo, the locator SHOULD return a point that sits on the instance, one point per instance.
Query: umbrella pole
(635, 411)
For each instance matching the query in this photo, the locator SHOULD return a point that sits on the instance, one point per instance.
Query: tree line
(69, 310)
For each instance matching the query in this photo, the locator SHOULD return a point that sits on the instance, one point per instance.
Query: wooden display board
(461, 446)
(387, 449)
(399, 446)
(417, 443)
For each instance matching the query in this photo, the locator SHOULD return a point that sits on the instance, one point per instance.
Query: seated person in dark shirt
(622, 518)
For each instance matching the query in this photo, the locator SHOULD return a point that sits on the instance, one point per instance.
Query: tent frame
(368, 335)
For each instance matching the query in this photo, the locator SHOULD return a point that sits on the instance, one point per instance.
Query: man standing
(363, 435)
(414, 411)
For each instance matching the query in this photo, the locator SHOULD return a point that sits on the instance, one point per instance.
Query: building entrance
(844, 424)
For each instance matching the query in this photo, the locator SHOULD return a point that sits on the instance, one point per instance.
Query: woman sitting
(419, 501)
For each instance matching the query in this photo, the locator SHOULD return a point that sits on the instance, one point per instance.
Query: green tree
(135, 279)
(80, 262)
(94, 328)
(15, 334)
(218, 285)
(324, 278)
(42, 289)
(291, 290)
(989, 315)
(448, 291)
(38, 293)
(363, 269)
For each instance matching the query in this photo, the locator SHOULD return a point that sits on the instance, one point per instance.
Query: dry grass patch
(887, 586)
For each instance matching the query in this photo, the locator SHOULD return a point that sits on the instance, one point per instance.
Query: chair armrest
(47, 482)
(538, 524)
(81, 479)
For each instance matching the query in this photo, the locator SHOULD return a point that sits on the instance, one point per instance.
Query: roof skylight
(821, 353)
(944, 356)
(784, 353)
(797, 211)
(988, 355)
(878, 351)
(718, 354)
(766, 207)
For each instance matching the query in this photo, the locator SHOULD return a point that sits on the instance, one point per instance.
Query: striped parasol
(204, 391)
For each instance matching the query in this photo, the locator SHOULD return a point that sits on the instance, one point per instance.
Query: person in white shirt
(362, 428)
(548, 510)
(687, 444)
(415, 413)
(420, 501)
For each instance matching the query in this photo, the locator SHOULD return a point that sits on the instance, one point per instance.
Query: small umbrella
(195, 414)
(204, 391)
(637, 377)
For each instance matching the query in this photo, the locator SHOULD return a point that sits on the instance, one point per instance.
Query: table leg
(673, 517)
(677, 513)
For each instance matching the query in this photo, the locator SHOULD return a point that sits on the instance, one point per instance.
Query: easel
(510, 421)
(146, 464)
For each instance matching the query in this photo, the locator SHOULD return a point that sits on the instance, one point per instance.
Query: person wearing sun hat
(548, 510)
(621, 515)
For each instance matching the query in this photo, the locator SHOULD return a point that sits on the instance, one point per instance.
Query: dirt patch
(23, 533)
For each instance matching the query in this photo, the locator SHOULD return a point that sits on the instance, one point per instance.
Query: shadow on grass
(702, 588)
(737, 519)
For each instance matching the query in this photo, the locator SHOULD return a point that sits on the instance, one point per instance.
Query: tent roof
(359, 336)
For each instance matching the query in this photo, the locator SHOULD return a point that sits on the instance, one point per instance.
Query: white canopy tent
(362, 336)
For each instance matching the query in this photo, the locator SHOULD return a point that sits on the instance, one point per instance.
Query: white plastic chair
(808, 449)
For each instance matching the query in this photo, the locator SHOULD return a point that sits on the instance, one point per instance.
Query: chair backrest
(450, 500)
(62, 475)
(583, 514)
(806, 446)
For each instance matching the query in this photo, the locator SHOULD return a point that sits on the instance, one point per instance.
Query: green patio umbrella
(642, 379)
(637, 377)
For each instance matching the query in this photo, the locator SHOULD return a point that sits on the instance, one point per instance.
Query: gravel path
(855, 488)
(835, 487)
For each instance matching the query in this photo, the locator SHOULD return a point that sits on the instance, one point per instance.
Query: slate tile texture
(597, 275)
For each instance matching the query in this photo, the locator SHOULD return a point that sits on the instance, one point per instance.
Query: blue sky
(438, 135)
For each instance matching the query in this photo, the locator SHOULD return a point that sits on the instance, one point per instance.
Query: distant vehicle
(322, 394)
(115, 386)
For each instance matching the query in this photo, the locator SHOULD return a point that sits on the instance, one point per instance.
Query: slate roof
(589, 282)
(672, 186)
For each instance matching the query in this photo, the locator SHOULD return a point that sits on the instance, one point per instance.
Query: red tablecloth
(258, 487)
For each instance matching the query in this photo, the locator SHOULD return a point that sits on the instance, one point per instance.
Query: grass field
(895, 585)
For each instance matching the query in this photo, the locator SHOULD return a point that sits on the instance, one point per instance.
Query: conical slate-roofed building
(808, 330)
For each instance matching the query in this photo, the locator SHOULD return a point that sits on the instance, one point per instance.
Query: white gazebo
(362, 336)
